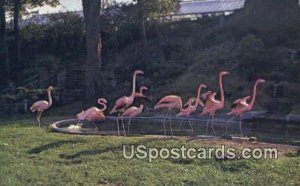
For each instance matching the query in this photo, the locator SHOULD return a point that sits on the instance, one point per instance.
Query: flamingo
(170, 102)
(212, 105)
(94, 114)
(188, 110)
(132, 112)
(42, 105)
(125, 101)
(240, 106)
(192, 108)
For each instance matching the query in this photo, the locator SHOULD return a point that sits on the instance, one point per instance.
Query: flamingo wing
(242, 102)
(210, 104)
(39, 106)
(237, 101)
(120, 102)
(169, 99)
(131, 111)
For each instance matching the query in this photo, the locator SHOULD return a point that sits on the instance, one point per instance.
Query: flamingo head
(50, 88)
(190, 101)
(102, 100)
(246, 98)
(207, 94)
(203, 86)
(137, 72)
(141, 93)
(212, 95)
(223, 73)
(143, 88)
(260, 81)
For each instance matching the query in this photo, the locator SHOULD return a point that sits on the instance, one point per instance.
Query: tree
(91, 13)
(17, 7)
(158, 9)
(20, 7)
(3, 42)
(251, 54)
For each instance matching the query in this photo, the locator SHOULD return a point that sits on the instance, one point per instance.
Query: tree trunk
(144, 31)
(17, 6)
(91, 12)
(3, 42)
(141, 14)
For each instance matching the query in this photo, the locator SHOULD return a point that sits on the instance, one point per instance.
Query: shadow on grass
(42, 148)
(105, 149)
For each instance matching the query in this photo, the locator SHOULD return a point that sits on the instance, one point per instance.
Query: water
(264, 131)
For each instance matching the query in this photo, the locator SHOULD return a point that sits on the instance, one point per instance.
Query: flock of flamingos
(124, 109)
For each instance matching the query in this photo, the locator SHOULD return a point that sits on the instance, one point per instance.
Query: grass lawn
(33, 156)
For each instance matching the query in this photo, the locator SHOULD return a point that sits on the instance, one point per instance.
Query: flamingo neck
(133, 84)
(103, 106)
(49, 97)
(221, 88)
(191, 106)
(180, 105)
(198, 94)
(251, 105)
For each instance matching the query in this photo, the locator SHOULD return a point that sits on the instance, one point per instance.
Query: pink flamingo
(189, 108)
(125, 101)
(192, 108)
(170, 102)
(241, 106)
(94, 114)
(42, 105)
(132, 112)
(212, 105)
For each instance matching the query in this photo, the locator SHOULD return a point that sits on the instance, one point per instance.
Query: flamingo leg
(228, 123)
(207, 125)
(170, 125)
(164, 124)
(180, 125)
(94, 125)
(118, 124)
(190, 125)
(212, 124)
(241, 126)
(128, 125)
(124, 133)
(39, 118)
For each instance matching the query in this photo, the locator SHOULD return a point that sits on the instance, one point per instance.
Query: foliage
(178, 55)
(26, 5)
(250, 54)
(150, 9)
(60, 42)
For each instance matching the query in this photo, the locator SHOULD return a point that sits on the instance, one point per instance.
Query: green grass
(33, 156)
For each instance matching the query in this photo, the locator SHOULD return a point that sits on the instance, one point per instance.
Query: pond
(264, 131)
